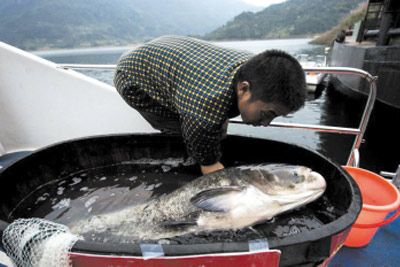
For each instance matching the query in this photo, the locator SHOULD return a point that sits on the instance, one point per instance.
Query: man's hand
(212, 168)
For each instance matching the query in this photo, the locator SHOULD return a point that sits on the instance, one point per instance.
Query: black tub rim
(335, 227)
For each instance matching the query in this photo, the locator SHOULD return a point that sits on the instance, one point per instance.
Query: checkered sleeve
(202, 140)
(136, 97)
(131, 92)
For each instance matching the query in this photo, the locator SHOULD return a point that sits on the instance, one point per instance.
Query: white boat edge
(41, 104)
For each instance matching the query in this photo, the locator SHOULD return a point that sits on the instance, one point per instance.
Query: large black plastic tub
(306, 248)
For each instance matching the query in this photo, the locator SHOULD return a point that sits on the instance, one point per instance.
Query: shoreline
(96, 49)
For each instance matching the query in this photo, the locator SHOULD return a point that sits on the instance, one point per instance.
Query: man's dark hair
(275, 76)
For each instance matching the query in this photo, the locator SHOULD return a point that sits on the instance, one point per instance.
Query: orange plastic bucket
(380, 197)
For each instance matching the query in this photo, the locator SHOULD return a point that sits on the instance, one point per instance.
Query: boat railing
(87, 66)
(354, 156)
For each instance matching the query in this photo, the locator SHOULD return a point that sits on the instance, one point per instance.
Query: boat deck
(383, 250)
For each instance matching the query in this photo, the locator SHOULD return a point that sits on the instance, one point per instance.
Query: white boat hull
(41, 104)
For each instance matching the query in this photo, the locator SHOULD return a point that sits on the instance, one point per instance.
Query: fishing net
(37, 242)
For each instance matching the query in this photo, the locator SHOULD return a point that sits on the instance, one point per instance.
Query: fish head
(288, 183)
(257, 193)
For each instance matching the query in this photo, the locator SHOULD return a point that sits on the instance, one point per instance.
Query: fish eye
(298, 178)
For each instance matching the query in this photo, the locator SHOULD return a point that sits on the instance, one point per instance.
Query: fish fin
(189, 220)
(219, 199)
(178, 224)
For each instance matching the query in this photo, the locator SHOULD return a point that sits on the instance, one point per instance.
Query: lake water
(328, 108)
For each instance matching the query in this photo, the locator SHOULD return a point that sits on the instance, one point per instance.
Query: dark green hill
(38, 24)
(288, 19)
(349, 20)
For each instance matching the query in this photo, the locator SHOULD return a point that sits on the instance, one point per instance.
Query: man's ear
(243, 88)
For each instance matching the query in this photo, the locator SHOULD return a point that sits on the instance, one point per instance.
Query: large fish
(231, 198)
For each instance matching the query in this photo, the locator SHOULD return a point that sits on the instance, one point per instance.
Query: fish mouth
(299, 199)
(316, 194)
(318, 182)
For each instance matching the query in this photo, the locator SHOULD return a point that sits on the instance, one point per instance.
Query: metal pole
(312, 127)
(87, 66)
(368, 106)
(385, 23)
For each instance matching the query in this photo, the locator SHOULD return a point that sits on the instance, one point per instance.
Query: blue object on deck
(382, 251)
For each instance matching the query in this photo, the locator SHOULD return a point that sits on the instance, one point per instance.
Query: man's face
(257, 112)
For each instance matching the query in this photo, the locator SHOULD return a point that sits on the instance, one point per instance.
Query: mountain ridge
(44, 24)
(285, 20)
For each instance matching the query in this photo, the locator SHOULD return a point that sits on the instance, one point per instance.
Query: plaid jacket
(187, 79)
